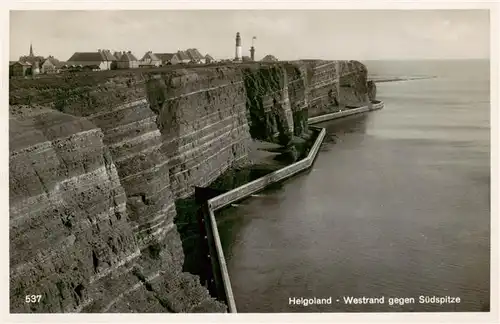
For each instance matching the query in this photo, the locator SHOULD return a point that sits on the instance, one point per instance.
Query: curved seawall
(225, 199)
(99, 160)
(397, 204)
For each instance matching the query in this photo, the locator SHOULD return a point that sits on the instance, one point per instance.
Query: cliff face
(281, 97)
(98, 162)
(336, 85)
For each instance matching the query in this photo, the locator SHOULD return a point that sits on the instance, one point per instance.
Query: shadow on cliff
(192, 236)
(193, 245)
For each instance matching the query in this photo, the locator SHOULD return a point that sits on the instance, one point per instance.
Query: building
(246, 58)
(195, 56)
(183, 57)
(31, 58)
(20, 69)
(168, 58)
(110, 57)
(10, 68)
(91, 68)
(209, 59)
(48, 66)
(149, 59)
(51, 65)
(102, 58)
(269, 58)
(238, 51)
(127, 61)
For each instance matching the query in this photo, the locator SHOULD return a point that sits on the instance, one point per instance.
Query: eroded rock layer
(98, 161)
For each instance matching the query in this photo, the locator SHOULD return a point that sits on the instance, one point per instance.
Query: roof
(54, 61)
(106, 54)
(183, 55)
(150, 56)
(208, 57)
(87, 57)
(165, 56)
(269, 58)
(22, 63)
(31, 59)
(127, 57)
(194, 54)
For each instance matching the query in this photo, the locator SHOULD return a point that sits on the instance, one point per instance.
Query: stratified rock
(101, 161)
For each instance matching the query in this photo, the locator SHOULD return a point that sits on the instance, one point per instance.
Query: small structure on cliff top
(195, 56)
(183, 57)
(209, 59)
(20, 69)
(149, 60)
(269, 58)
(50, 65)
(168, 58)
(127, 60)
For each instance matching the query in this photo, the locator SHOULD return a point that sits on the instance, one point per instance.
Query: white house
(149, 59)
(195, 56)
(102, 58)
(168, 58)
(183, 57)
(209, 59)
(128, 61)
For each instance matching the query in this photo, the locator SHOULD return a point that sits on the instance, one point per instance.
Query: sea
(397, 205)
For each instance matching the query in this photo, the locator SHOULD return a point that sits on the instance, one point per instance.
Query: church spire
(31, 50)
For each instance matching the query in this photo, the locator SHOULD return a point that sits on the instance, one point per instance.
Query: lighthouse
(237, 56)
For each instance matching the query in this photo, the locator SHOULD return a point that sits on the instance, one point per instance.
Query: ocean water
(397, 205)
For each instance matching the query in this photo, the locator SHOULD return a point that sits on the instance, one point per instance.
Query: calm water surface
(396, 205)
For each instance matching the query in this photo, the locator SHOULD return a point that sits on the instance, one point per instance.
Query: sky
(288, 35)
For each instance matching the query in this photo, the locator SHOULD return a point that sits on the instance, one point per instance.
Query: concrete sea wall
(225, 199)
(98, 161)
(376, 105)
(257, 185)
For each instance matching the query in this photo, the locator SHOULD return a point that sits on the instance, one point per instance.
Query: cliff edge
(98, 161)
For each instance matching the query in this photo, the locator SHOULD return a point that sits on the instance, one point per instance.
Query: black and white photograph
(250, 161)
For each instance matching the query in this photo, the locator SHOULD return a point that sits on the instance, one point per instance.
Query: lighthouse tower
(237, 56)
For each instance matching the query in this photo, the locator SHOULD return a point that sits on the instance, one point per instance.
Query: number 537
(33, 298)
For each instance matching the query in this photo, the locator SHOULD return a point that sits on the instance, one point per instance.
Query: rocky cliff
(98, 161)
